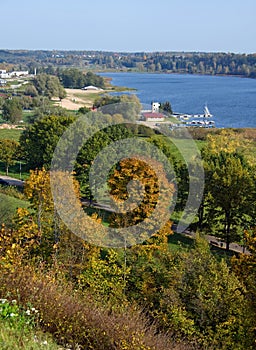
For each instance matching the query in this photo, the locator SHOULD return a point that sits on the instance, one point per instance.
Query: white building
(3, 74)
(91, 88)
(155, 107)
(8, 75)
(18, 73)
(2, 82)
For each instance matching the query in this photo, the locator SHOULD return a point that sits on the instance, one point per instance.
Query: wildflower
(27, 312)
(44, 342)
(14, 301)
(3, 301)
(34, 310)
(13, 315)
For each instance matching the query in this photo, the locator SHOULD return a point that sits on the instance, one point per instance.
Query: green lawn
(14, 171)
(178, 241)
(11, 134)
(12, 337)
(9, 206)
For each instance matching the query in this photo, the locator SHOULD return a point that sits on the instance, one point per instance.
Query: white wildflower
(27, 312)
(34, 310)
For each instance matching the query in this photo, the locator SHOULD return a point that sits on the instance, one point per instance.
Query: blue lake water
(231, 100)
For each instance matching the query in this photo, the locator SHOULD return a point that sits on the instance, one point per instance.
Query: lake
(231, 100)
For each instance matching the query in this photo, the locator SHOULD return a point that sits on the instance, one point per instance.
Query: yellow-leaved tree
(155, 192)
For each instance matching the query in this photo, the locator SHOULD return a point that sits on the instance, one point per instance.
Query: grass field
(14, 171)
(178, 241)
(8, 207)
(15, 338)
(11, 134)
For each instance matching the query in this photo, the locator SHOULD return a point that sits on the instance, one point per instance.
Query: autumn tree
(56, 240)
(132, 169)
(18, 243)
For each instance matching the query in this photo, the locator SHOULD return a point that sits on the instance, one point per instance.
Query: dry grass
(74, 319)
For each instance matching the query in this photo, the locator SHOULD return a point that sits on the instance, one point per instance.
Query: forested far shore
(213, 63)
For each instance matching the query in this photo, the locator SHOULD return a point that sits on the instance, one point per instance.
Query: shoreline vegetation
(203, 63)
(170, 73)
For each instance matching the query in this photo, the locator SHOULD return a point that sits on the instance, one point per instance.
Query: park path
(12, 181)
(217, 242)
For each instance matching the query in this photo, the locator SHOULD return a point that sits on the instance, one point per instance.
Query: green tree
(244, 266)
(232, 194)
(83, 110)
(206, 301)
(166, 107)
(39, 140)
(49, 85)
(8, 153)
(12, 110)
(92, 147)
(30, 90)
(75, 79)
(127, 105)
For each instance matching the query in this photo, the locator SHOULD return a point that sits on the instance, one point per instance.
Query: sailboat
(207, 113)
(202, 123)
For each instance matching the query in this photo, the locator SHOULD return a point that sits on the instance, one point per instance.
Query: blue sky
(133, 25)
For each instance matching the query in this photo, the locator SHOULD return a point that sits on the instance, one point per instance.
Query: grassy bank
(8, 207)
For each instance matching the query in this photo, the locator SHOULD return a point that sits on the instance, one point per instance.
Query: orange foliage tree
(145, 195)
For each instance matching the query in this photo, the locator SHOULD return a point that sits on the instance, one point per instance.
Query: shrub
(75, 319)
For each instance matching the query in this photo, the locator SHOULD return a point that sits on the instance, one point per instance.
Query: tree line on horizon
(218, 63)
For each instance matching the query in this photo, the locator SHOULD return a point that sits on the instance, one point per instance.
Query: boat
(207, 113)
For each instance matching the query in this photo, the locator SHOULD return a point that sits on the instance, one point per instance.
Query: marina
(198, 120)
(157, 117)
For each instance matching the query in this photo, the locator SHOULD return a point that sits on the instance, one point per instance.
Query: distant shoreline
(172, 73)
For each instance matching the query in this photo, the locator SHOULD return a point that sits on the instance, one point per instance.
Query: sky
(130, 26)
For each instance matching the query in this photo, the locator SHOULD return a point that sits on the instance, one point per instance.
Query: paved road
(12, 181)
(215, 241)
(87, 203)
